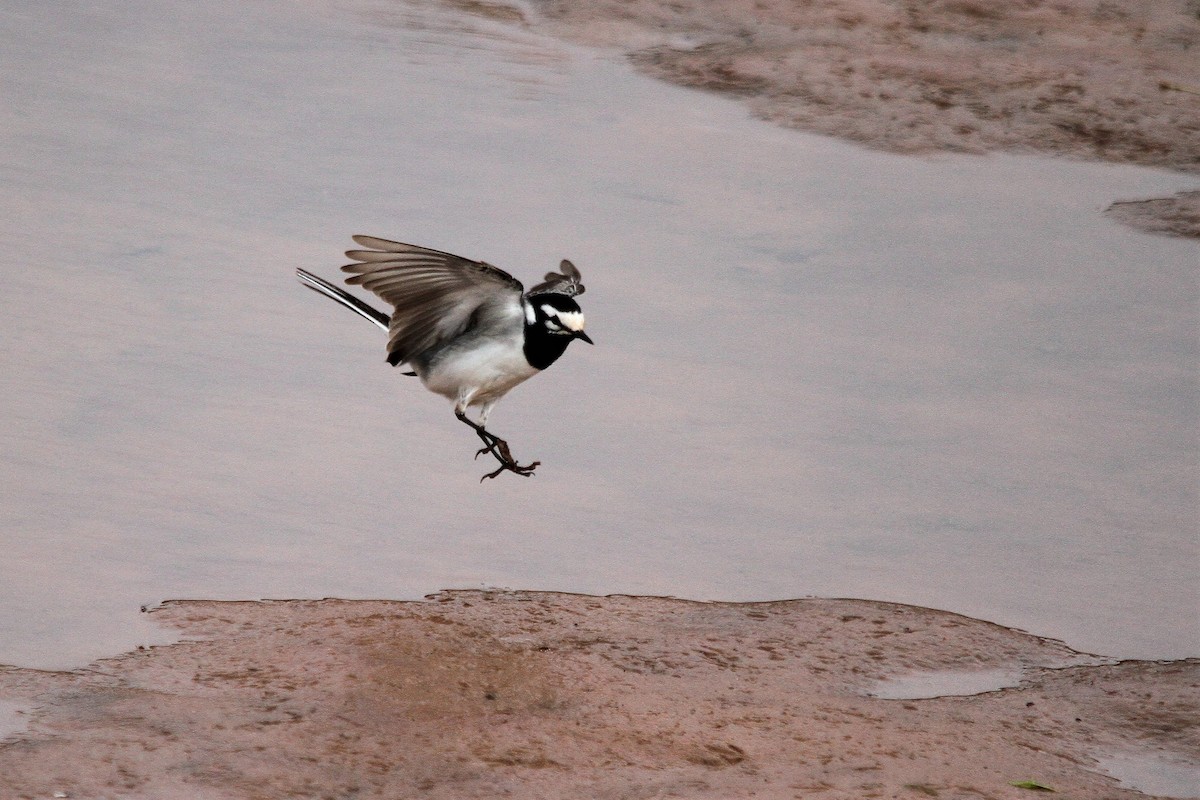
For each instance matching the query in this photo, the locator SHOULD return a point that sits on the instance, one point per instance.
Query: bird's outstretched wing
(436, 296)
(568, 282)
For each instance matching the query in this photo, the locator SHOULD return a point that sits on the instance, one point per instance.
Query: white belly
(482, 373)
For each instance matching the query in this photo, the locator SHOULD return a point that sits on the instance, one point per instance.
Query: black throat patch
(543, 348)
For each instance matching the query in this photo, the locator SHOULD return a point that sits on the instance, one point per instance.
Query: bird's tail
(348, 300)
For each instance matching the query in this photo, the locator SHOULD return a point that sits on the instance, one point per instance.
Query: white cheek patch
(571, 320)
(530, 314)
(560, 320)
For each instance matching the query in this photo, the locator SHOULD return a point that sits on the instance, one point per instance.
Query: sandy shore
(1112, 80)
(525, 694)
(1175, 216)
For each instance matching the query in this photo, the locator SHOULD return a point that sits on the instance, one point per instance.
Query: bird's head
(557, 315)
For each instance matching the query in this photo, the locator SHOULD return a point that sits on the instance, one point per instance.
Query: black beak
(584, 336)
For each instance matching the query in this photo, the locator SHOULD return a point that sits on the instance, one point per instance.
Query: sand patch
(486, 694)
(1175, 216)
(1110, 80)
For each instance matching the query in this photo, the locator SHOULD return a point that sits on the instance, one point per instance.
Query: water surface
(819, 370)
(1159, 773)
(945, 683)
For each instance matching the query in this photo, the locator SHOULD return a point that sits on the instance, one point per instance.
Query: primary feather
(437, 296)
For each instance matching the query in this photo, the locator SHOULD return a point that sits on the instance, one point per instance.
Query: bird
(469, 330)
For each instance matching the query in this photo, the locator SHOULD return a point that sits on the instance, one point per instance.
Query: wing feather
(437, 296)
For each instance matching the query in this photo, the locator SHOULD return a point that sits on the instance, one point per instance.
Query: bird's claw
(499, 448)
(513, 467)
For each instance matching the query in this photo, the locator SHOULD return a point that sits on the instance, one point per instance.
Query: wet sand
(1115, 81)
(1174, 216)
(526, 694)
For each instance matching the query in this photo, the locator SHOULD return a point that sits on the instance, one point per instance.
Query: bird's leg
(491, 442)
(497, 447)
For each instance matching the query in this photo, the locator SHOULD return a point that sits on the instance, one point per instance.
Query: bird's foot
(508, 465)
(499, 448)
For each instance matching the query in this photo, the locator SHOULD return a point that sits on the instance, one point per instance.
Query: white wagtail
(467, 329)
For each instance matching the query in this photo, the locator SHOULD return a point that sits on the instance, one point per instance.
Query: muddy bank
(1114, 80)
(1174, 216)
(1111, 80)
(489, 694)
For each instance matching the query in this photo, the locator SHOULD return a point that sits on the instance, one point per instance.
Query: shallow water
(13, 719)
(819, 370)
(945, 683)
(1165, 774)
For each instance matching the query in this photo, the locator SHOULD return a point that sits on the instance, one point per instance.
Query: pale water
(1155, 772)
(13, 719)
(818, 370)
(945, 683)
